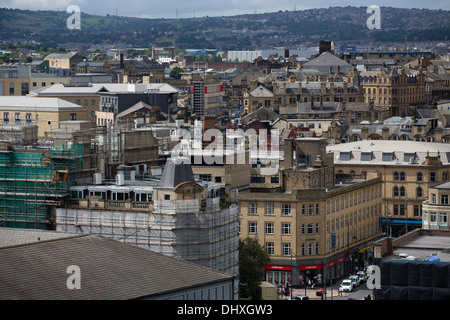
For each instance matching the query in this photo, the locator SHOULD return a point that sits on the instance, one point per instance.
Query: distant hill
(282, 28)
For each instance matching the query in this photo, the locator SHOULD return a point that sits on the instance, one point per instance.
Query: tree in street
(252, 258)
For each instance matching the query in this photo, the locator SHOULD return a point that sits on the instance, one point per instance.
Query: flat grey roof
(423, 247)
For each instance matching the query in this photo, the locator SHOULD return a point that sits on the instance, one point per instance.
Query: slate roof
(176, 172)
(261, 92)
(109, 270)
(261, 114)
(326, 59)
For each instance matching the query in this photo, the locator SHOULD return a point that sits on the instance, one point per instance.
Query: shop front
(336, 269)
(278, 274)
(311, 274)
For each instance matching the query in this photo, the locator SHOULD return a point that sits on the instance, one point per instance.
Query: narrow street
(332, 293)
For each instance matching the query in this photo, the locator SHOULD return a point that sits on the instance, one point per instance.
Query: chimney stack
(288, 153)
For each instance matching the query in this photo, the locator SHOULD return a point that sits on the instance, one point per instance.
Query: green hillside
(282, 28)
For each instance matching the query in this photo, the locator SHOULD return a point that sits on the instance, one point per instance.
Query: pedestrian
(340, 291)
(309, 283)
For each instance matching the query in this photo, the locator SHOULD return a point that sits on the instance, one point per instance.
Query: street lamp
(292, 275)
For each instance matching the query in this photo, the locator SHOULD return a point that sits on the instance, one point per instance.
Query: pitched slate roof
(324, 60)
(261, 92)
(109, 270)
(176, 171)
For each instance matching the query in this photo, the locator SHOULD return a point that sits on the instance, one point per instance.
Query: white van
(347, 285)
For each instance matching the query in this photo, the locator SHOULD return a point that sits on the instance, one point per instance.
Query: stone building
(408, 170)
(311, 224)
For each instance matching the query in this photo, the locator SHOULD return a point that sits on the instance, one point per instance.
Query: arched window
(419, 176)
(402, 191)
(402, 176)
(395, 191)
(419, 192)
(395, 176)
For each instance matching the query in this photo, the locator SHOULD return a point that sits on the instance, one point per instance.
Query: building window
(388, 156)
(443, 219)
(417, 210)
(285, 209)
(433, 198)
(366, 156)
(28, 119)
(396, 176)
(433, 176)
(317, 228)
(395, 191)
(310, 228)
(252, 208)
(205, 177)
(419, 192)
(433, 217)
(11, 89)
(286, 249)
(269, 228)
(5, 118)
(345, 156)
(317, 248)
(408, 156)
(73, 116)
(419, 176)
(310, 249)
(402, 176)
(268, 209)
(270, 248)
(25, 89)
(286, 228)
(402, 191)
(444, 199)
(252, 227)
(256, 178)
(17, 118)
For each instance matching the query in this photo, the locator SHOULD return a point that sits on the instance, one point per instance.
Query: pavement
(312, 293)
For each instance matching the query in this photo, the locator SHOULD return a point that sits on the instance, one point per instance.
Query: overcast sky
(199, 8)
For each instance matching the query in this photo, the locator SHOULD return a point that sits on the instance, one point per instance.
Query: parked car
(347, 285)
(362, 276)
(355, 279)
(299, 298)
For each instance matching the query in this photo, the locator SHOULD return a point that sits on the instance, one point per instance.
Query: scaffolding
(33, 182)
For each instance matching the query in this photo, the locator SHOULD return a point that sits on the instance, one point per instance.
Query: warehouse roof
(109, 270)
(37, 104)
